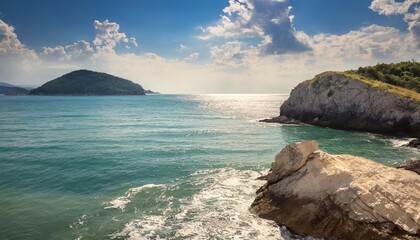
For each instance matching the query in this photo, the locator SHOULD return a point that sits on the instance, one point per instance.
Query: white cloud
(390, 7)
(408, 8)
(192, 57)
(232, 54)
(10, 45)
(269, 20)
(80, 49)
(182, 47)
(413, 20)
(371, 42)
(54, 52)
(133, 41)
(108, 35)
(16, 60)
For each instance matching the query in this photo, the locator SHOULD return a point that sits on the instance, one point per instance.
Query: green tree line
(403, 74)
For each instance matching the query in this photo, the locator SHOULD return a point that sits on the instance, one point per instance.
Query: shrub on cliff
(403, 74)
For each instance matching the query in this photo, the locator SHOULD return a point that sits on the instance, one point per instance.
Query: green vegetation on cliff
(404, 92)
(85, 82)
(403, 74)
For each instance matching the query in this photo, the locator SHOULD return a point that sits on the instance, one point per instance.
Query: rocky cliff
(348, 101)
(317, 194)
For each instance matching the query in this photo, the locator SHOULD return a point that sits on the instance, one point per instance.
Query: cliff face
(338, 100)
(317, 194)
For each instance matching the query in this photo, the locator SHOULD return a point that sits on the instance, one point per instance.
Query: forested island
(88, 83)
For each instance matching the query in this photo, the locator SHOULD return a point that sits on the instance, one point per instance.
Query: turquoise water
(149, 167)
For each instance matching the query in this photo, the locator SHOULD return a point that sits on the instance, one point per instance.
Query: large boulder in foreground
(340, 196)
(348, 101)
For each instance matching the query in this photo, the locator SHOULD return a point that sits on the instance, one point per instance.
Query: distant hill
(151, 92)
(7, 88)
(86, 83)
(4, 84)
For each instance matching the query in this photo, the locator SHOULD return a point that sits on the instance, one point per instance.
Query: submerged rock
(346, 101)
(317, 194)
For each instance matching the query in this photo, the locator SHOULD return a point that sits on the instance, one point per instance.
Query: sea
(150, 167)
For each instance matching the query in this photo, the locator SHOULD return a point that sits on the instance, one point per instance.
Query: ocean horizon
(151, 167)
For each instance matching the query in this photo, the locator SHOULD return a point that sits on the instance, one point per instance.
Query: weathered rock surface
(336, 100)
(339, 196)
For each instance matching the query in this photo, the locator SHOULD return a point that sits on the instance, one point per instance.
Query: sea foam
(219, 210)
(122, 201)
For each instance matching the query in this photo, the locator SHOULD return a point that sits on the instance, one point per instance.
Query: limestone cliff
(317, 194)
(348, 101)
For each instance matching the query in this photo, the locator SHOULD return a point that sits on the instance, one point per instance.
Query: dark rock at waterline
(347, 101)
(412, 166)
(415, 143)
(282, 120)
(317, 194)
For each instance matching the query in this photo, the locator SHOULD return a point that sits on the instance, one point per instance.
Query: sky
(203, 46)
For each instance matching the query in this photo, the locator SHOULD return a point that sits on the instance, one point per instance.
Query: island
(148, 91)
(9, 89)
(382, 99)
(88, 83)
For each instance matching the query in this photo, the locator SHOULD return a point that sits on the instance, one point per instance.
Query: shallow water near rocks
(149, 167)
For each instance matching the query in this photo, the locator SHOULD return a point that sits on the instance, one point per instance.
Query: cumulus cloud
(16, 60)
(409, 9)
(371, 42)
(192, 57)
(269, 20)
(10, 45)
(79, 50)
(413, 21)
(108, 35)
(390, 7)
(232, 54)
(54, 52)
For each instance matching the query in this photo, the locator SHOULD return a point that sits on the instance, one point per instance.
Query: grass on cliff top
(401, 78)
(404, 92)
(403, 74)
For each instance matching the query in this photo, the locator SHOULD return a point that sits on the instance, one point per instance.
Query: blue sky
(203, 46)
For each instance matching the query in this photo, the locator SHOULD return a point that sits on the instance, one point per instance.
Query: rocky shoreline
(317, 194)
(342, 101)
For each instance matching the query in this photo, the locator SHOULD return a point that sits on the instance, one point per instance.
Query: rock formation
(348, 101)
(415, 143)
(317, 194)
(412, 166)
